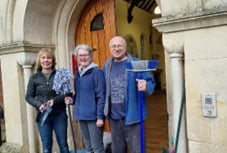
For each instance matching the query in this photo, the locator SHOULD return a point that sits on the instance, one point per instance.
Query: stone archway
(54, 25)
(27, 26)
(59, 29)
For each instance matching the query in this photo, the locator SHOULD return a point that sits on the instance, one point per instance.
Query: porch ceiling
(147, 5)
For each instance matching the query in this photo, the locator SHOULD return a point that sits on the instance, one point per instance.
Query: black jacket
(39, 91)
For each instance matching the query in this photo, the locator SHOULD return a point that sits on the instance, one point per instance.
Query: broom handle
(72, 131)
(142, 143)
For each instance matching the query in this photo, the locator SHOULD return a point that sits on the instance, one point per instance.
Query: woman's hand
(68, 100)
(99, 123)
(50, 103)
(44, 106)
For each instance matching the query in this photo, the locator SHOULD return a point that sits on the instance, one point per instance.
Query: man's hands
(141, 84)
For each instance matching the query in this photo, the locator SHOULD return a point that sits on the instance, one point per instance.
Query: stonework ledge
(184, 23)
(19, 46)
(10, 148)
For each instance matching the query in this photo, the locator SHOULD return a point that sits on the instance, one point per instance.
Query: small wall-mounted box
(209, 107)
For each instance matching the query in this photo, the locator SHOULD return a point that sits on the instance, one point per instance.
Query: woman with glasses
(89, 98)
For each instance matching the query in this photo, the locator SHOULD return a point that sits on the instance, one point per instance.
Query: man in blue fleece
(122, 101)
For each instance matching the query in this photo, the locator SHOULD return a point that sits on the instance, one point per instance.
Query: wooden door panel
(97, 39)
(95, 42)
(103, 50)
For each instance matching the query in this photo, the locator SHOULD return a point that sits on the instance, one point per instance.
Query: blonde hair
(49, 53)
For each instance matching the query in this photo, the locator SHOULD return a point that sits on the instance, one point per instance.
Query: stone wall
(197, 28)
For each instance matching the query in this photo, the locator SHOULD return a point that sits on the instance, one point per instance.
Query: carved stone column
(27, 60)
(173, 44)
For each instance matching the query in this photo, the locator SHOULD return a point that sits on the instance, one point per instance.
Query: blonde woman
(51, 108)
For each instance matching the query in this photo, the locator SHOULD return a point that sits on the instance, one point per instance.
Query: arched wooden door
(96, 26)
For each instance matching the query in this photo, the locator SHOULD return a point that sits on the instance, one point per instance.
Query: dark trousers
(124, 137)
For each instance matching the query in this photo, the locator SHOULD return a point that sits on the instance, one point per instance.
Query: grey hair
(84, 47)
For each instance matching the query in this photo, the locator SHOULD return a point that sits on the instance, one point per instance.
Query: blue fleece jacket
(132, 98)
(89, 86)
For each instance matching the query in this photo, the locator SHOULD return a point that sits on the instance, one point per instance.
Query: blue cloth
(131, 97)
(45, 115)
(62, 81)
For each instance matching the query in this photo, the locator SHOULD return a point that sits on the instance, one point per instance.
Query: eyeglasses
(83, 55)
(116, 46)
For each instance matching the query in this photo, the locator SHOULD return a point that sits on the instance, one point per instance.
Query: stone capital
(26, 59)
(173, 42)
